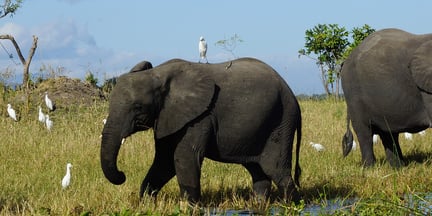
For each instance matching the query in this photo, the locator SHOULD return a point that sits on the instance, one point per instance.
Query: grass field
(33, 162)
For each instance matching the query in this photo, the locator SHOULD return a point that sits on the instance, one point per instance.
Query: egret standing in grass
(67, 178)
(317, 146)
(202, 46)
(408, 136)
(11, 112)
(41, 115)
(48, 122)
(49, 103)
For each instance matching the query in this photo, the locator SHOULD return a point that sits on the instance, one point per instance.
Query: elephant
(388, 90)
(244, 114)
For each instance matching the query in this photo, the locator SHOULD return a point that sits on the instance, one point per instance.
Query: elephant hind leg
(261, 182)
(392, 149)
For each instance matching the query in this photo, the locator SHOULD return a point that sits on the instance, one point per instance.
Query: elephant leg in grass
(189, 156)
(261, 182)
(365, 138)
(162, 169)
(274, 164)
(392, 149)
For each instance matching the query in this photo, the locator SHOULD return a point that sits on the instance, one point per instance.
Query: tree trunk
(24, 62)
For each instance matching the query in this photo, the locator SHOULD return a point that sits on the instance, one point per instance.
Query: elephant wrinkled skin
(244, 114)
(387, 85)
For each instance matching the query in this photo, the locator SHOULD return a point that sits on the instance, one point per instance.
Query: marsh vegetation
(33, 162)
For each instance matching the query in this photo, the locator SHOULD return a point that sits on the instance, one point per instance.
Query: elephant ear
(144, 65)
(421, 66)
(188, 95)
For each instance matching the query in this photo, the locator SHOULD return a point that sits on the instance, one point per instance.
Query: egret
(104, 121)
(48, 122)
(41, 115)
(408, 136)
(354, 145)
(317, 146)
(422, 133)
(11, 112)
(375, 138)
(49, 103)
(202, 49)
(67, 178)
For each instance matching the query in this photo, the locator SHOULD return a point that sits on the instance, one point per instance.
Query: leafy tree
(9, 7)
(230, 44)
(330, 45)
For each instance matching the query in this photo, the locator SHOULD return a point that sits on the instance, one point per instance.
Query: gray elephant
(387, 82)
(244, 114)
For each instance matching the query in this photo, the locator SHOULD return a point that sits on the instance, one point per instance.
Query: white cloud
(64, 43)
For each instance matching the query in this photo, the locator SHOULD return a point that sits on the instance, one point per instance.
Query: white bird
(67, 178)
(375, 138)
(408, 136)
(41, 115)
(104, 121)
(11, 112)
(48, 122)
(354, 145)
(422, 133)
(317, 146)
(202, 46)
(49, 103)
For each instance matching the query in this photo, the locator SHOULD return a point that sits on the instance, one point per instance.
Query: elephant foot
(396, 162)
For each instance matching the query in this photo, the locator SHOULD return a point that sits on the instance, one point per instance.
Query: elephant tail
(297, 171)
(347, 139)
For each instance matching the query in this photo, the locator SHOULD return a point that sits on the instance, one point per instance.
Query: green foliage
(91, 79)
(230, 44)
(9, 7)
(331, 46)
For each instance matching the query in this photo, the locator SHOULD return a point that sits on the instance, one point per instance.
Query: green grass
(33, 162)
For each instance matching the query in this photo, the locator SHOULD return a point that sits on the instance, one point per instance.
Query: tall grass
(33, 162)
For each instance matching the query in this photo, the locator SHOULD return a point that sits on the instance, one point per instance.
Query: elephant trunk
(110, 146)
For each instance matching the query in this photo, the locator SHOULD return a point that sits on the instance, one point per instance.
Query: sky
(109, 37)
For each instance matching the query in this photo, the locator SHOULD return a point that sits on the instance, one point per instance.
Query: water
(421, 203)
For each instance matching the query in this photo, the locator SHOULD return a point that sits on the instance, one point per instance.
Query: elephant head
(144, 65)
(164, 98)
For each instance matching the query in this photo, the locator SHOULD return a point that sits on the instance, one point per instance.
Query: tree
(229, 44)
(331, 46)
(9, 7)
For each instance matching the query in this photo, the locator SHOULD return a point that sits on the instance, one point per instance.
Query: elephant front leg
(161, 171)
(188, 170)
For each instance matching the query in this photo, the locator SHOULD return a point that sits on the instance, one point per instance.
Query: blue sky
(109, 37)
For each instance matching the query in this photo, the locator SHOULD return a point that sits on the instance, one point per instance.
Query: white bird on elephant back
(11, 112)
(202, 46)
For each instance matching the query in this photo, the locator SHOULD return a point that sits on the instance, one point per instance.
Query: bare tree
(24, 62)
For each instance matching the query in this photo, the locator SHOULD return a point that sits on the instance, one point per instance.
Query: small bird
(375, 138)
(202, 46)
(11, 112)
(48, 122)
(408, 136)
(41, 115)
(49, 103)
(354, 145)
(67, 178)
(317, 146)
(422, 133)
(104, 121)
